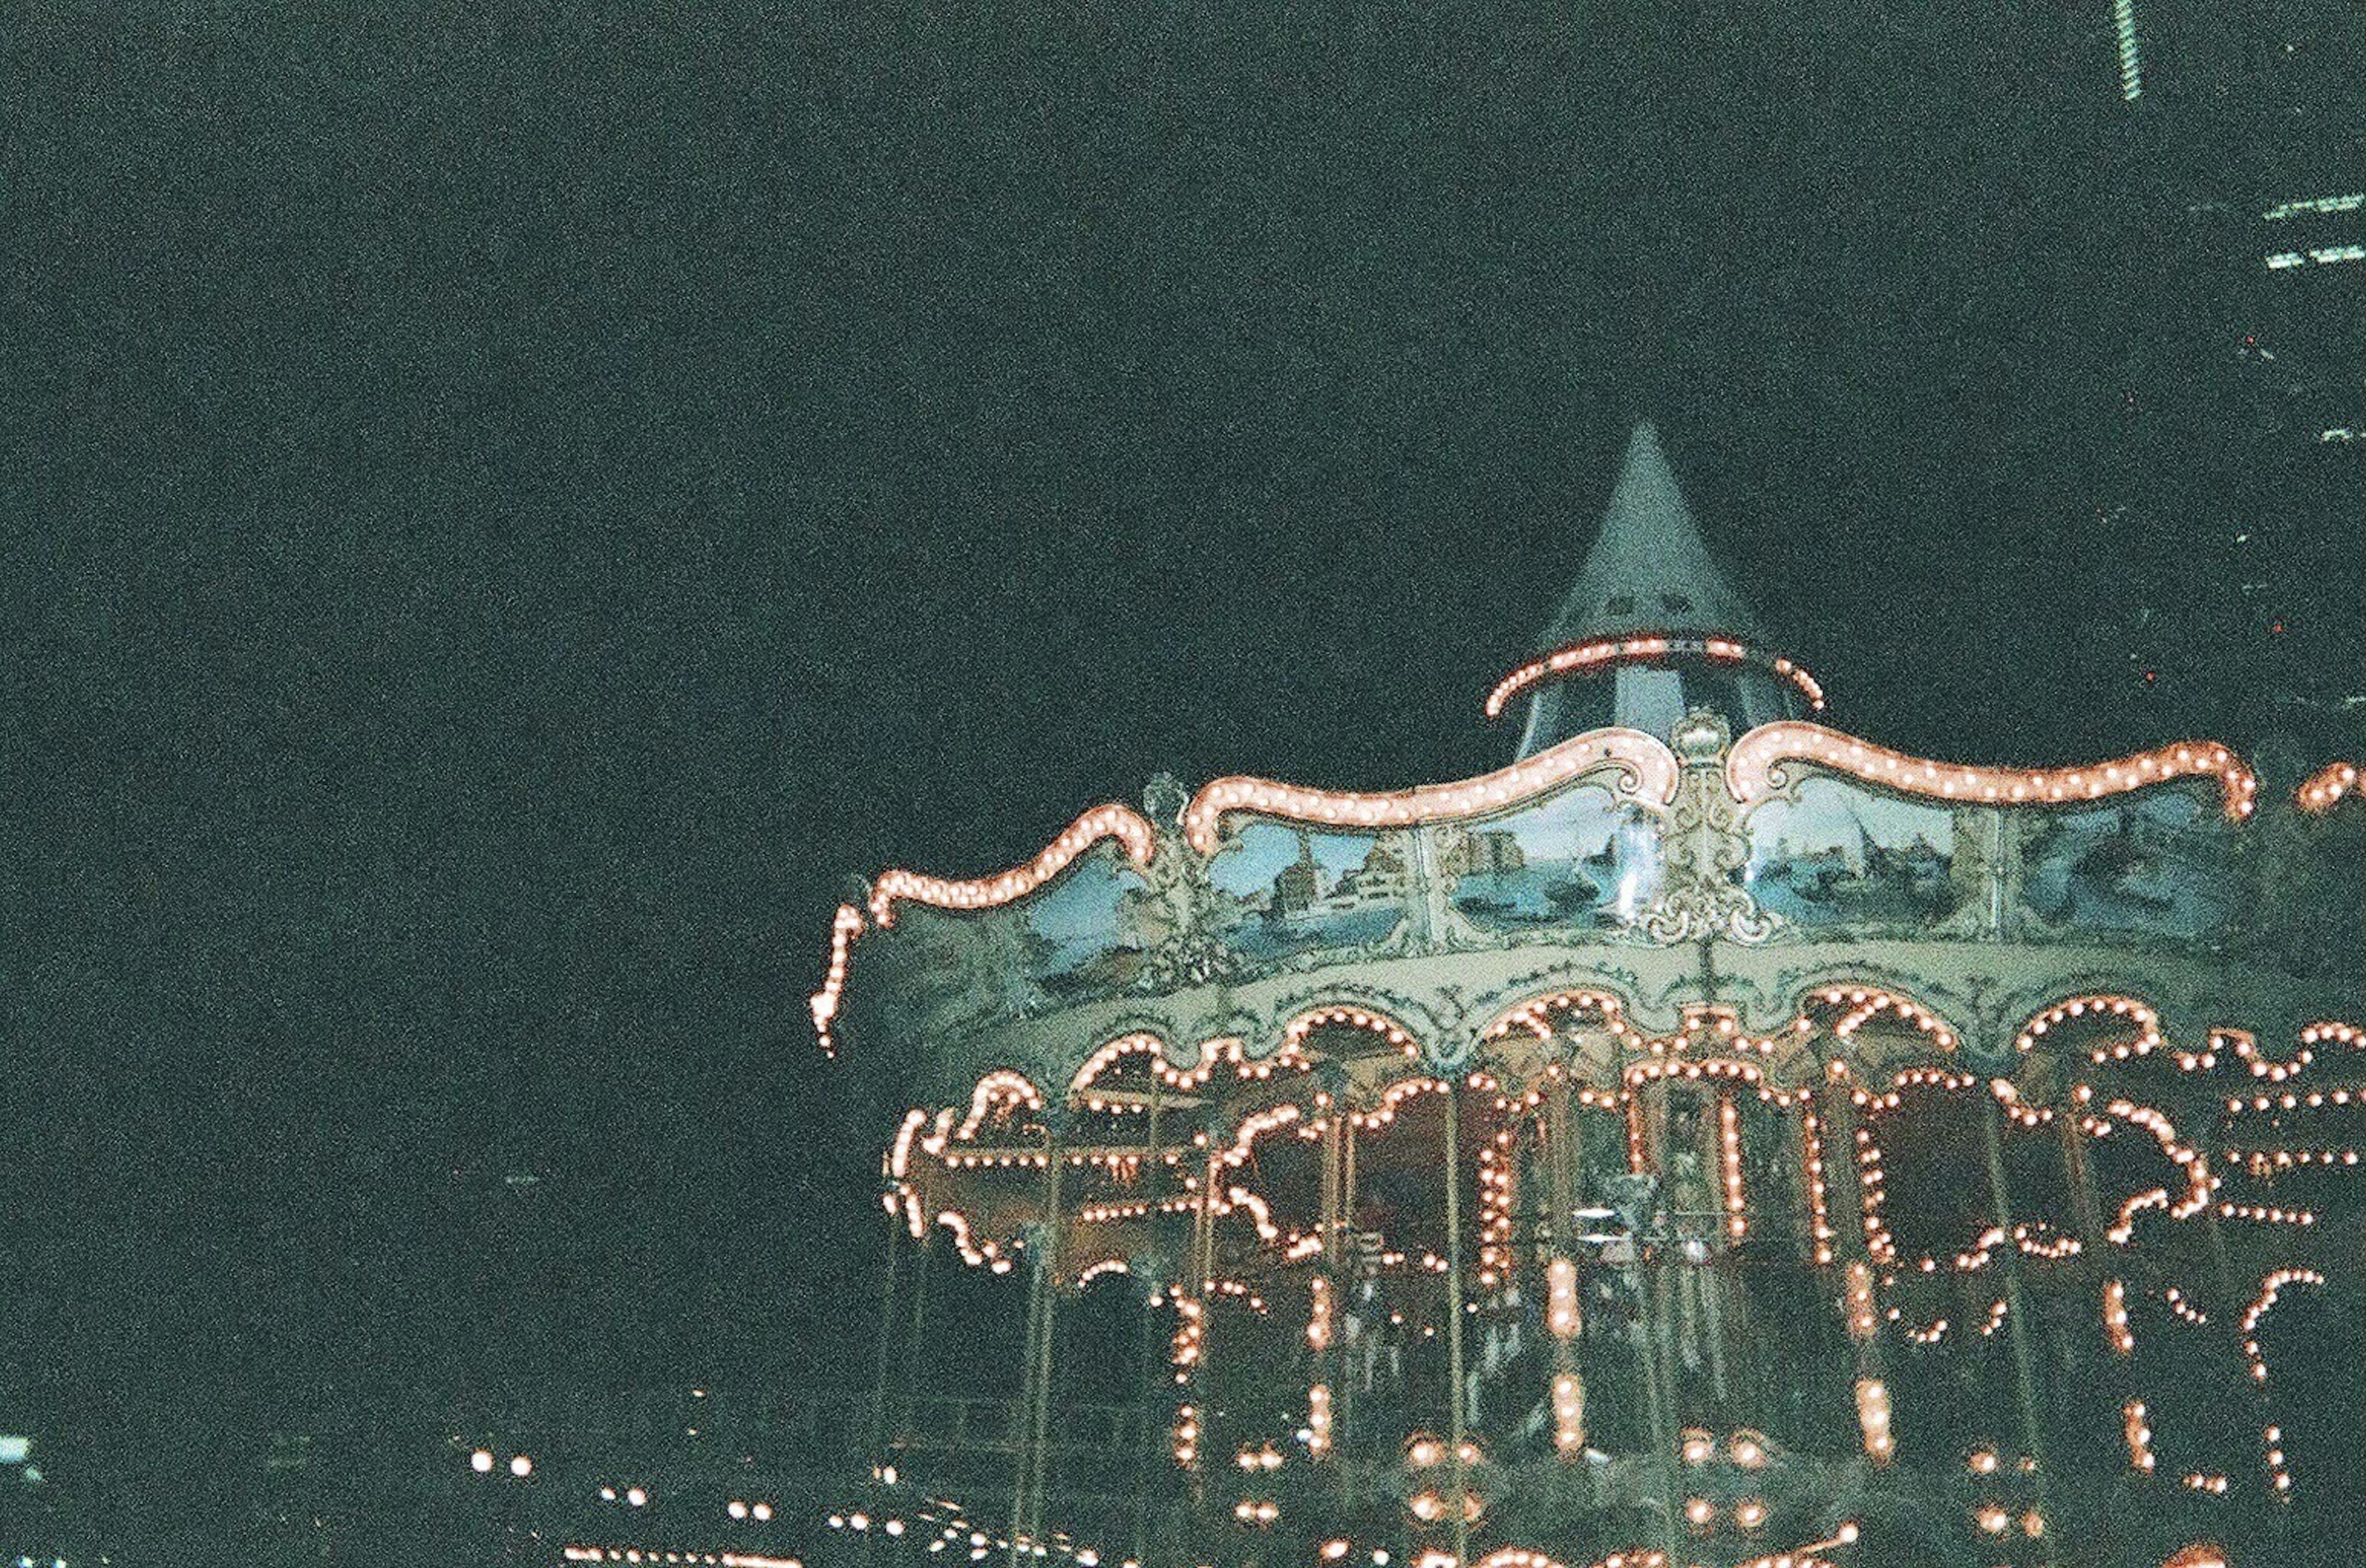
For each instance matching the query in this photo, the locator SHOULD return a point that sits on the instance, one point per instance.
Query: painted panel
(1086, 933)
(1836, 853)
(1580, 859)
(2161, 861)
(1284, 889)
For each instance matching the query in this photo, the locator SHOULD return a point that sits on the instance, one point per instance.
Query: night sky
(505, 514)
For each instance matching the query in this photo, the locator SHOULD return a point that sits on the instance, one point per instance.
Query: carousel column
(2083, 1180)
(1564, 1310)
(1851, 1248)
(1149, 1375)
(876, 1428)
(1194, 1414)
(1344, 1390)
(2025, 1367)
(1031, 1430)
(917, 1360)
(1455, 1500)
(1647, 1219)
(1326, 1288)
(1717, 1127)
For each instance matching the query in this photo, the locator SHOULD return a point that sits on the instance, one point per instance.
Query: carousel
(1712, 1139)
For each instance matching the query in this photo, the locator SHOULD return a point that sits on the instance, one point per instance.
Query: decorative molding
(1645, 770)
(1701, 894)
(1757, 769)
(1608, 652)
(2325, 788)
(1111, 821)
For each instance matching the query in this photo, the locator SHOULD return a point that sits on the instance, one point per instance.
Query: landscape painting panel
(1837, 854)
(1579, 859)
(2161, 861)
(1282, 890)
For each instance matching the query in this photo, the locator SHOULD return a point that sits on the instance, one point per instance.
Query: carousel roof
(1648, 569)
(1652, 611)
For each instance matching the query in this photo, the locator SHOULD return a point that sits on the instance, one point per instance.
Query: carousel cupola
(1651, 629)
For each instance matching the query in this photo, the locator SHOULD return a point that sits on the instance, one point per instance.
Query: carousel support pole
(916, 1342)
(1454, 1322)
(1561, 1130)
(1328, 1356)
(1029, 1430)
(1146, 1440)
(1200, 1272)
(1647, 1109)
(1052, 1264)
(1343, 1398)
(1022, 1411)
(1719, 1241)
(2082, 1182)
(877, 1435)
(1655, 1395)
(2024, 1366)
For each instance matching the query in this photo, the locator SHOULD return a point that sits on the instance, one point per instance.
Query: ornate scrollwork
(1701, 892)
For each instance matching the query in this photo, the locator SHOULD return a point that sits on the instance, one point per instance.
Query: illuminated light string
(2147, 1039)
(1729, 1121)
(1857, 1296)
(844, 927)
(1710, 1068)
(2266, 1163)
(1867, 1006)
(1318, 1316)
(2247, 1050)
(1294, 1035)
(1873, 1417)
(2294, 1101)
(1608, 652)
(1818, 1201)
(1564, 1318)
(1111, 821)
(1647, 769)
(1569, 1415)
(1754, 771)
(639, 1554)
(1001, 1087)
(1537, 1015)
(2325, 789)
(2271, 1441)
(1877, 1238)
(2121, 1338)
(2136, 1428)
(2272, 1289)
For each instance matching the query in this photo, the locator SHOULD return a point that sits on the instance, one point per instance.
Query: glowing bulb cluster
(2137, 1428)
(1606, 652)
(1646, 769)
(1563, 1316)
(844, 927)
(1111, 821)
(1873, 1419)
(1754, 772)
(2271, 1288)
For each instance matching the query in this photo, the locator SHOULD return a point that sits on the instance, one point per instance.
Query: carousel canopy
(1655, 623)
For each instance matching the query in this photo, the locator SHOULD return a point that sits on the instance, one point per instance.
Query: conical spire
(1648, 570)
(1649, 573)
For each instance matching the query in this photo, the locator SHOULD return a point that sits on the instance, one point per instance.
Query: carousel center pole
(1458, 1503)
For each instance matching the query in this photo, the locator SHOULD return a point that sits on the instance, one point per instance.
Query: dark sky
(503, 512)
